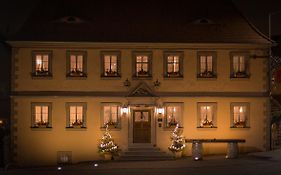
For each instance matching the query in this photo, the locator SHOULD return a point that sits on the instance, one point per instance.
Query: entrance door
(142, 126)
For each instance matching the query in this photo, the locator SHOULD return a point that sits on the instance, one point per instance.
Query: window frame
(119, 114)
(213, 74)
(84, 116)
(111, 53)
(247, 65)
(247, 105)
(33, 118)
(166, 54)
(134, 64)
(173, 104)
(48, 73)
(69, 53)
(214, 118)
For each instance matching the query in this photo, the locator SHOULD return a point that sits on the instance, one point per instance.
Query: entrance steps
(144, 152)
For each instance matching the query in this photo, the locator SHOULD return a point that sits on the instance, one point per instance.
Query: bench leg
(197, 149)
(232, 150)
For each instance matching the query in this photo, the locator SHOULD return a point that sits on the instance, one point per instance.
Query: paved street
(211, 165)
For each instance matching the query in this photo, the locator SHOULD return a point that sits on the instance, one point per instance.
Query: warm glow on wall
(160, 110)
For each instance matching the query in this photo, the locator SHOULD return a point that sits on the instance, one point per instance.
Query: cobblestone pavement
(210, 165)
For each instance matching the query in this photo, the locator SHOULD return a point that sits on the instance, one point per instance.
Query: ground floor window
(110, 116)
(76, 115)
(207, 115)
(240, 115)
(41, 115)
(173, 114)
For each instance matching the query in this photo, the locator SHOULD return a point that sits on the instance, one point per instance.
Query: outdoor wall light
(125, 110)
(160, 110)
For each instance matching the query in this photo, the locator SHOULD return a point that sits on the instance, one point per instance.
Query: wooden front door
(142, 126)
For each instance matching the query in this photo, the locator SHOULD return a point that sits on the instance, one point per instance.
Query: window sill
(110, 77)
(207, 127)
(36, 128)
(235, 127)
(173, 77)
(83, 128)
(76, 77)
(111, 128)
(240, 78)
(34, 76)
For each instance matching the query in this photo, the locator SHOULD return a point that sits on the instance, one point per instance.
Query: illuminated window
(206, 64)
(76, 115)
(239, 65)
(111, 64)
(173, 114)
(207, 115)
(142, 64)
(41, 61)
(111, 113)
(76, 64)
(173, 64)
(240, 115)
(41, 115)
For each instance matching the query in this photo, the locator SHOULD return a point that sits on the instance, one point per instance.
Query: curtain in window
(206, 114)
(173, 115)
(142, 64)
(41, 62)
(41, 114)
(110, 114)
(209, 63)
(110, 64)
(76, 114)
(76, 63)
(203, 64)
(238, 64)
(173, 64)
(239, 114)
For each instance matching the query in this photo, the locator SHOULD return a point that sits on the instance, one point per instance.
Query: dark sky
(14, 12)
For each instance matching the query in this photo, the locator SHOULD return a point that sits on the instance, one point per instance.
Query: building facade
(64, 91)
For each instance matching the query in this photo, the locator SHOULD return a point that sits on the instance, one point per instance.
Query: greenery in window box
(206, 123)
(207, 74)
(110, 124)
(178, 141)
(142, 72)
(77, 124)
(41, 124)
(41, 71)
(173, 74)
(107, 146)
(239, 74)
(240, 124)
(76, 73)
(110, 73)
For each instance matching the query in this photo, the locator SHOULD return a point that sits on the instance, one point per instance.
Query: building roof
(177, 21)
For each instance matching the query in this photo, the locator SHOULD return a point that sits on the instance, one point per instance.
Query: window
(142, 64)
(240, 115)
(111, 64)
(41, 63)
(76, 64)
(206, 64)
(239, 65)
(207, 115)
(111, 113)
(173, 64)
(41, 115)
(173, 114)
(76, 115)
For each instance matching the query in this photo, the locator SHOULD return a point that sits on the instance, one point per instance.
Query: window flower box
(77, 124)
(207, 124)
(207, 74)
(240, 124)
(41, 124)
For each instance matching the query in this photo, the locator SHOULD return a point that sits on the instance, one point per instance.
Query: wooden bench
(197, 147)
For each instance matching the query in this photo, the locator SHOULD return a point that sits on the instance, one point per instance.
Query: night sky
(14, 12)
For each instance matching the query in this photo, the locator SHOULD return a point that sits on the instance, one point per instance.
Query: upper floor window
(76, 64)
(207, 115)
(206, 64)
(239, 65)
(240, 115)
(41, 63)
(41, 115)
(173, 64)
(142, 64)
(111, 113)
(76, 115)
(173, 114)
(111, 64)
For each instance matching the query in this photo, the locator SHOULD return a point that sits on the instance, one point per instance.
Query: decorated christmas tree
(178, 141)
(107, 144)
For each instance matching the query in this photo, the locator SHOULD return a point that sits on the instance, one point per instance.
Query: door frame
(152, 124)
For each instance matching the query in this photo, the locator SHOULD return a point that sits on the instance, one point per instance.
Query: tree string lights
(107, 144)
(178, 141)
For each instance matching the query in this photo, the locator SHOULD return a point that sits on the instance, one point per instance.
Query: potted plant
(107, 147)
(178, 142)
(42, 124)
(77, 124)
